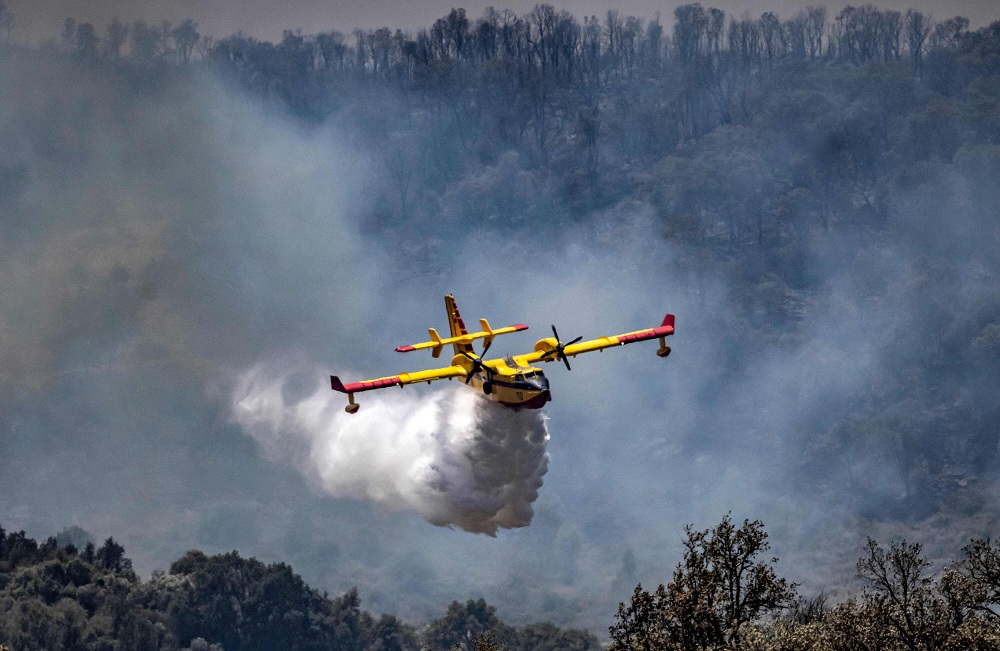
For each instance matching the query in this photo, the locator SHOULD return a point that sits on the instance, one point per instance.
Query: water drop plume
(449, 454)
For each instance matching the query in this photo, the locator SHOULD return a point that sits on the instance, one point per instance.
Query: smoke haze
(182, 265)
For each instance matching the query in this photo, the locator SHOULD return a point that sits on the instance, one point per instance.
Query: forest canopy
(61, 597)
(725, 593)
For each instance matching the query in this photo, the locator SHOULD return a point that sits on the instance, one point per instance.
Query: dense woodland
(55, 595)
(829, 162)
(726, 593)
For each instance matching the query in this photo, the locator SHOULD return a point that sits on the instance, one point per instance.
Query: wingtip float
(512, 381)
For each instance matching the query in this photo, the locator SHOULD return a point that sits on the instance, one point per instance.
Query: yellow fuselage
(516, 387)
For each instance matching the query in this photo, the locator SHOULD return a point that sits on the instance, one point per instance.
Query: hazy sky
(267, 18)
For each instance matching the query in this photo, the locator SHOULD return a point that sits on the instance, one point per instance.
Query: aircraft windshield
(532, 378)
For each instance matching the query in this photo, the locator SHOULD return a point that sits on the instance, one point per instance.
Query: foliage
(904, 606)
(718, 589)
(724, 594)
(51, 597)
(545, 636)
(486, 642)
(464, 625)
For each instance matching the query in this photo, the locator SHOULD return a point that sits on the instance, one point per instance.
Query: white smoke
(451, 455)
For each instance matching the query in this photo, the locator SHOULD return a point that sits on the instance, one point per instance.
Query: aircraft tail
(456, 324)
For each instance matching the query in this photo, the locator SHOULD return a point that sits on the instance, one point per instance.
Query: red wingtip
(520, 326)
(668, 321)
(336, 384)
(405, 349)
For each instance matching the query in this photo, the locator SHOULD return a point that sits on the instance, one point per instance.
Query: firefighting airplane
(512, 381)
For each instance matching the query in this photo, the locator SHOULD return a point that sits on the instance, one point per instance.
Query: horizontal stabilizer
(437, 342)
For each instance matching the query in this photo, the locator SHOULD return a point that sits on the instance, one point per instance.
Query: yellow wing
(460, 368)
(400, 380)
(546, 350)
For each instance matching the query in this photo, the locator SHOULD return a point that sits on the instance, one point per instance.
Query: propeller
(477, 364)
(560, 350)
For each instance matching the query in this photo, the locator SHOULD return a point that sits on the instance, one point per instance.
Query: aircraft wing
(398, 380)
(620, 340)
(543, 348)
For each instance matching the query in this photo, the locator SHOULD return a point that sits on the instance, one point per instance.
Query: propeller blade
(487, 347)
(574, 341)
(566, 362)
(472, 370)
(555, 333)
(477, 365)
